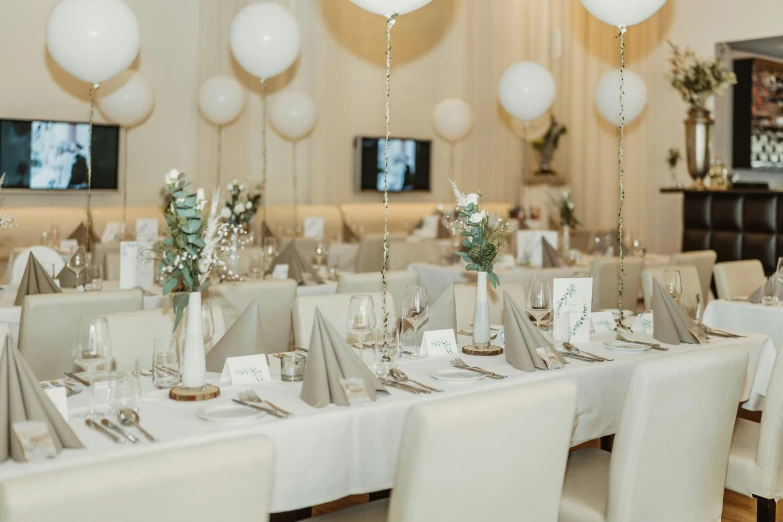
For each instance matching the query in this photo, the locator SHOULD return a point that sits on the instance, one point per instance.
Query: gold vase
(698, 144)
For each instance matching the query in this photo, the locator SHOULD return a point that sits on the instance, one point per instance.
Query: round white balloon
(389, 7)
(607, 97)
(452, 119)
(293, 115)
(94, 40)
(265, 39)
(221, 100)
(527, 90)
(126, 99)
(623, 12)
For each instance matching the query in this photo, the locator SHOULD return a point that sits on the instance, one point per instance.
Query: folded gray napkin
(35, 281)
(757, 296)
(549, 256)
(523, 338)
(670, 322)
(330, 359)
(245, 337)
(80, 235)
(297, 266)
(442, 313)
(22, 399)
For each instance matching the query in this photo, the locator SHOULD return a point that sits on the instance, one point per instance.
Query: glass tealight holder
(387, 350)
(292, 367)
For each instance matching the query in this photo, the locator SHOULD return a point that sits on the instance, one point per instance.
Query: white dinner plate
(456, 375)
(622, 346)
(228, 413)
(100, 378)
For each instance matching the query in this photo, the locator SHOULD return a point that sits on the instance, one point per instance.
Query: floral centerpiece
(242, 203)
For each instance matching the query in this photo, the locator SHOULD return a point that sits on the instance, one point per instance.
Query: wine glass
(361, 319)
(415, 310)
(91, 353)
(539, 300)
(672, 283)
(321, 252)
(78, 264)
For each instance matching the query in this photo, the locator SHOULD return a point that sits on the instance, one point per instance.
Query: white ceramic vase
(481, 334)
(194, 359)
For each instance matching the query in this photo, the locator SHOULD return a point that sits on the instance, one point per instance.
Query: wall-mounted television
(54, 155)
(409, 164)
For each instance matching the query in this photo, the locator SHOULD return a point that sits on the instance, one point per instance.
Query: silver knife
(97, 427)
(108, 424)
(260, 408)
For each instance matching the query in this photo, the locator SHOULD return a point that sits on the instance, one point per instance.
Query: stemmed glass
(321, 251)
(361, 319)
(672, 283)
(92, 352)
(415, 310)
(539, 300)
(78, 264)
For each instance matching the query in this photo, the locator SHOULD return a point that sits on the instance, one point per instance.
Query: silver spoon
(573, 349)
(128, 417)
(402, 377)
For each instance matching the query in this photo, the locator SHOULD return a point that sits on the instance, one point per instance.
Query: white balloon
(93, 40)
(527, 90)
(623, 12)
(221, 100)
(293, 115)
(607, 96)
(452, 119)
(265, 39)
(126, 99)
(389, 7)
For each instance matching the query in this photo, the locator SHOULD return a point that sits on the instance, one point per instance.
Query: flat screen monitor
(54, 155)
(409, 164)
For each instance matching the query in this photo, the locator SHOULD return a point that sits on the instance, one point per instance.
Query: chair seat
(586, 486)
(371, 512)
(742, 458)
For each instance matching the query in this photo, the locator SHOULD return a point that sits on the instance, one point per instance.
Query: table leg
(380, 495)
(291, 516)
(606, 442)
(765, 509)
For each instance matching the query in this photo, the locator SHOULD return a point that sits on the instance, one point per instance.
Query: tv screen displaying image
(53, 155)
(409, 164)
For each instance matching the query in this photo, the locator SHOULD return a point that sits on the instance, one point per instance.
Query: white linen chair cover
(45, 255)
(671, 449)
(133, 334)
(738, 278)
(606, 282)
(690, 282)
(436, 479)
(371, 282)
(168, 484)
(275, 299)
(335, 310)
(465, 301)
(51, 323)
(111, 266)
(403, 253)
(704, 261)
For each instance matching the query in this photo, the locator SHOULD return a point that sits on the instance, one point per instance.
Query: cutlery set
(459, 363)
(250, 399)
(573, 352)
(127, 418)
(400, 380)
(653, 346)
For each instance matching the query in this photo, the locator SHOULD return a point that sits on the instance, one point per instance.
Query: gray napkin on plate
(670, 322)
(245, 337)
(330, 359)
(523, 338)
(80, 235)
(297, 266)
(35, 281)
(22, 399)
(549, 256)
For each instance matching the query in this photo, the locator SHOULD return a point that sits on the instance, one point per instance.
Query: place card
(35, 439)
(59, 397)
(355, 391)
(114, 232)
(314, 227)
(439, 342)
(146, 229)
(280, 272)
(529, 250)
(68, 245)
(603, 322)
(247, 369)
(137, 268)
(643, 323)
(575, 296)
(550, 358)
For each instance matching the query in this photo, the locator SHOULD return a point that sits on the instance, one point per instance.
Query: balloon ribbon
(621, 285)
(88, 239)
(389, 24)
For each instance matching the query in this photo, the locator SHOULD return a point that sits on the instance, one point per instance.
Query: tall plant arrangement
(697, 80)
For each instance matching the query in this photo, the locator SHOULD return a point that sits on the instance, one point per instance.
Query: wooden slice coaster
(472, 349)
(193, 394)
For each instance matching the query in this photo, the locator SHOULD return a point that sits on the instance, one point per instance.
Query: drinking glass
(94, 278)
(672, 283)
(55, 235)
(539, 300)
(770, 292)
(92, 353)
(257, 266)
(361, 319)
(292, 367)
(415, 310)
(387, 349)
(165, 362)
(321, 253)
(124, 386)
(691, 305)
(78, 264)
(561, 328)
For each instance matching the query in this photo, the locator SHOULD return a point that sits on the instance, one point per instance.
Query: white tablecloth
(326, 454)
(745, 317)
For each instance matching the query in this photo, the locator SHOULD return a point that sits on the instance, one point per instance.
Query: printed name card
(575, 296)
(146, 229)
(35, 439)
(137, 268)
(68, 245)
(439, 342)
(114, 232)
(529, 250)
(59, 397)
(280, 272)
(643, 323)
(603, 322)
(314, 227)
(355, 391)
(247, 369)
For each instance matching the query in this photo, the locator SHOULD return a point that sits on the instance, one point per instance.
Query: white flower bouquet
(242, 203)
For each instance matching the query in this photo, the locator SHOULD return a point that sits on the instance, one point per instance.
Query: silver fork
(251, 396)
(459, 363)
(651, 345)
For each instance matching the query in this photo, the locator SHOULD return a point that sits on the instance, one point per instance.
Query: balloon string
(621, 285)
(263, 163)
(125, 182)
(219, 156)
(88, 239)
(294, 181)
(389, 25)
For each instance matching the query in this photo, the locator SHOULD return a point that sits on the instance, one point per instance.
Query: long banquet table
(746, 317)
(326, 454)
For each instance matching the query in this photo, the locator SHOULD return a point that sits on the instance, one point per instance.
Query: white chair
(45, 255)
(606, 282)
(465, 300)
(155, 486)
(335, 310)
(688, 275)
(671, 448)
(403, 253)
(738, 278)
(371, 282)
(704, 261)
(51, 323)
(444, 473)
(275, 299)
